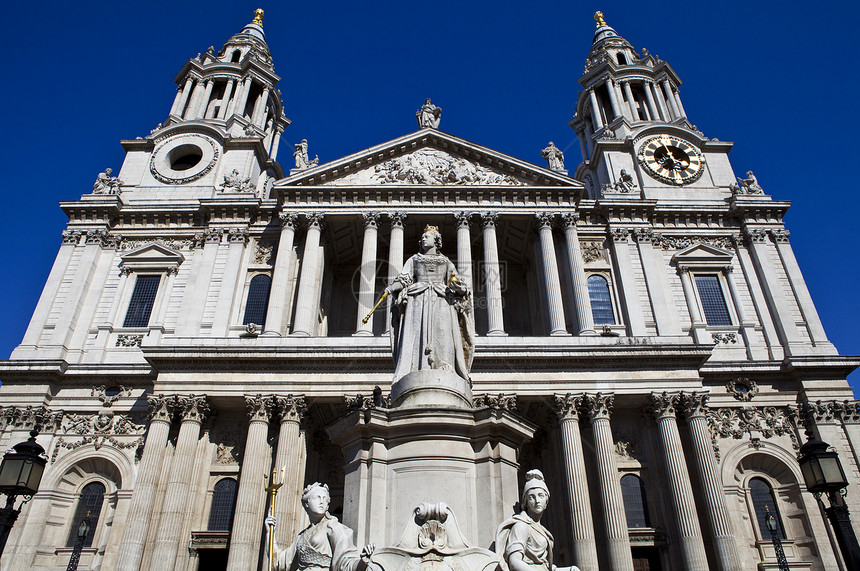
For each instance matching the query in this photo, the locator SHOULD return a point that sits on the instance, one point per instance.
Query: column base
(497, 333)
(363, 333)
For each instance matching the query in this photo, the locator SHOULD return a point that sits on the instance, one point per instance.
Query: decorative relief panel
(100, 429)
(769, 421)
(39, 417)
(830, 411)
(591, 251)
(429, 167)
(499, 402)
(681, 242)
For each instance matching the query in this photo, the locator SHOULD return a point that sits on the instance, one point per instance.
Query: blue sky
(778, 79)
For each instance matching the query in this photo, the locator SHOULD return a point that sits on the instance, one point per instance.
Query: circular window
(183, 158)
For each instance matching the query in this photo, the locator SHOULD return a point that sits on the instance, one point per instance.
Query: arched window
(601, 302)
(89, 507)
(635, 506)
(764, 504)
(622, 60)
(258, 300)
(223, 505)
(236, 55)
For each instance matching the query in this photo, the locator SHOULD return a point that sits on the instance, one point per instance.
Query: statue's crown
(429, 228)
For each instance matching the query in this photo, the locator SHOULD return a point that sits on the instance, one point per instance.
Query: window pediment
(703, 256)
(152, 257)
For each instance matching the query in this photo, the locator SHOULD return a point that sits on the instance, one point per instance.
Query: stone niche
(397, 458)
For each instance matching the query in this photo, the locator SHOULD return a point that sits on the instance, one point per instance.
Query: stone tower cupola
(233, 88)
(623, 91)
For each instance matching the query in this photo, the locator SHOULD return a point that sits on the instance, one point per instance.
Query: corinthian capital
(662, 405)
(259, 407)
(598, 406)
(291, 408)
(570, 219)
(288, 220)
(567, 406)
(161, 407)
(193, 407)
(488, 219)
(694, 405)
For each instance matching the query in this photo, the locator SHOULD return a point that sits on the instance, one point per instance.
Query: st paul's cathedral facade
(636, 328)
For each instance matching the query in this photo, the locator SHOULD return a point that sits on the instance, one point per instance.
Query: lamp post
(775, 536)
(823, 474)
(83, 530)
(20, 475)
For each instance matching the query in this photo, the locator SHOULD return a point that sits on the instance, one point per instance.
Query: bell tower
(223, 129)
(634, 133)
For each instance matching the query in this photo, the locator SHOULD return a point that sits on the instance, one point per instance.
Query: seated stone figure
(326, 544)
(522, 542)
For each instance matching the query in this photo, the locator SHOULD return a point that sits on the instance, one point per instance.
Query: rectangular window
(142, 300)
(713, 302)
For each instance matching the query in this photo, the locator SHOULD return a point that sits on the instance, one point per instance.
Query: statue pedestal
(431, 387)
(395, 458)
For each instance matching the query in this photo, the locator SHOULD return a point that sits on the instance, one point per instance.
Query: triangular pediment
(703, 254)
(151, 256)
(429, 157)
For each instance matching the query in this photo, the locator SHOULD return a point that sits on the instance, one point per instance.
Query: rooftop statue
(107, 184)
(301, 155)
(750, 184)
(432, 321)
(521, 540)
(554, 157)
(429, 115)
(326, 544)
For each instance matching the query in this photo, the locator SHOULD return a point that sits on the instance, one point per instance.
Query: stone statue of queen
(432, 323)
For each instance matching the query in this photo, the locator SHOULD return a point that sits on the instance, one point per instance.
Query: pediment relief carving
(428, 166)
(703, 254)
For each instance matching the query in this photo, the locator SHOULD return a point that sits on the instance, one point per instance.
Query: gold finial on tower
(598, 17)
(258, 17)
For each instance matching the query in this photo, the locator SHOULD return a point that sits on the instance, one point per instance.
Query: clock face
(671, 160)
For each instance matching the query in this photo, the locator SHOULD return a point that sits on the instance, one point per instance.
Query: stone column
(492, 269)
(79, 285)
(181, 97)
(677, 95)
(670, 99)
(692, 546)
(773, 290)
(136, 528)
(273, 154)
(656, 279)
(613, 100)
(367, 279)
(652, 107)
(698, 326)
(632, 304)
(395, 256)
(242, 97)
(583, 147)
(464, 250)
(798, 285)
(695, 408)
(194, 96)
(276, 313)
(774, 348)
(236, 239)
(231, 105)
(194, 299)
(577, 272)
(664, 113)
(259, 112)
(291, 454)
(599, 407)
(634, 114)
(747, 327)
(225, 101)
(306, 306)
(247, 533)
(595, 110)
(170, 539)
(582, 538)
(203, 102)
(550, 275)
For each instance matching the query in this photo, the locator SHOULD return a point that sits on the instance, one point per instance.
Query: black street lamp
(20, 475)
(83, 531)
(823, 474)
(775, 537)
